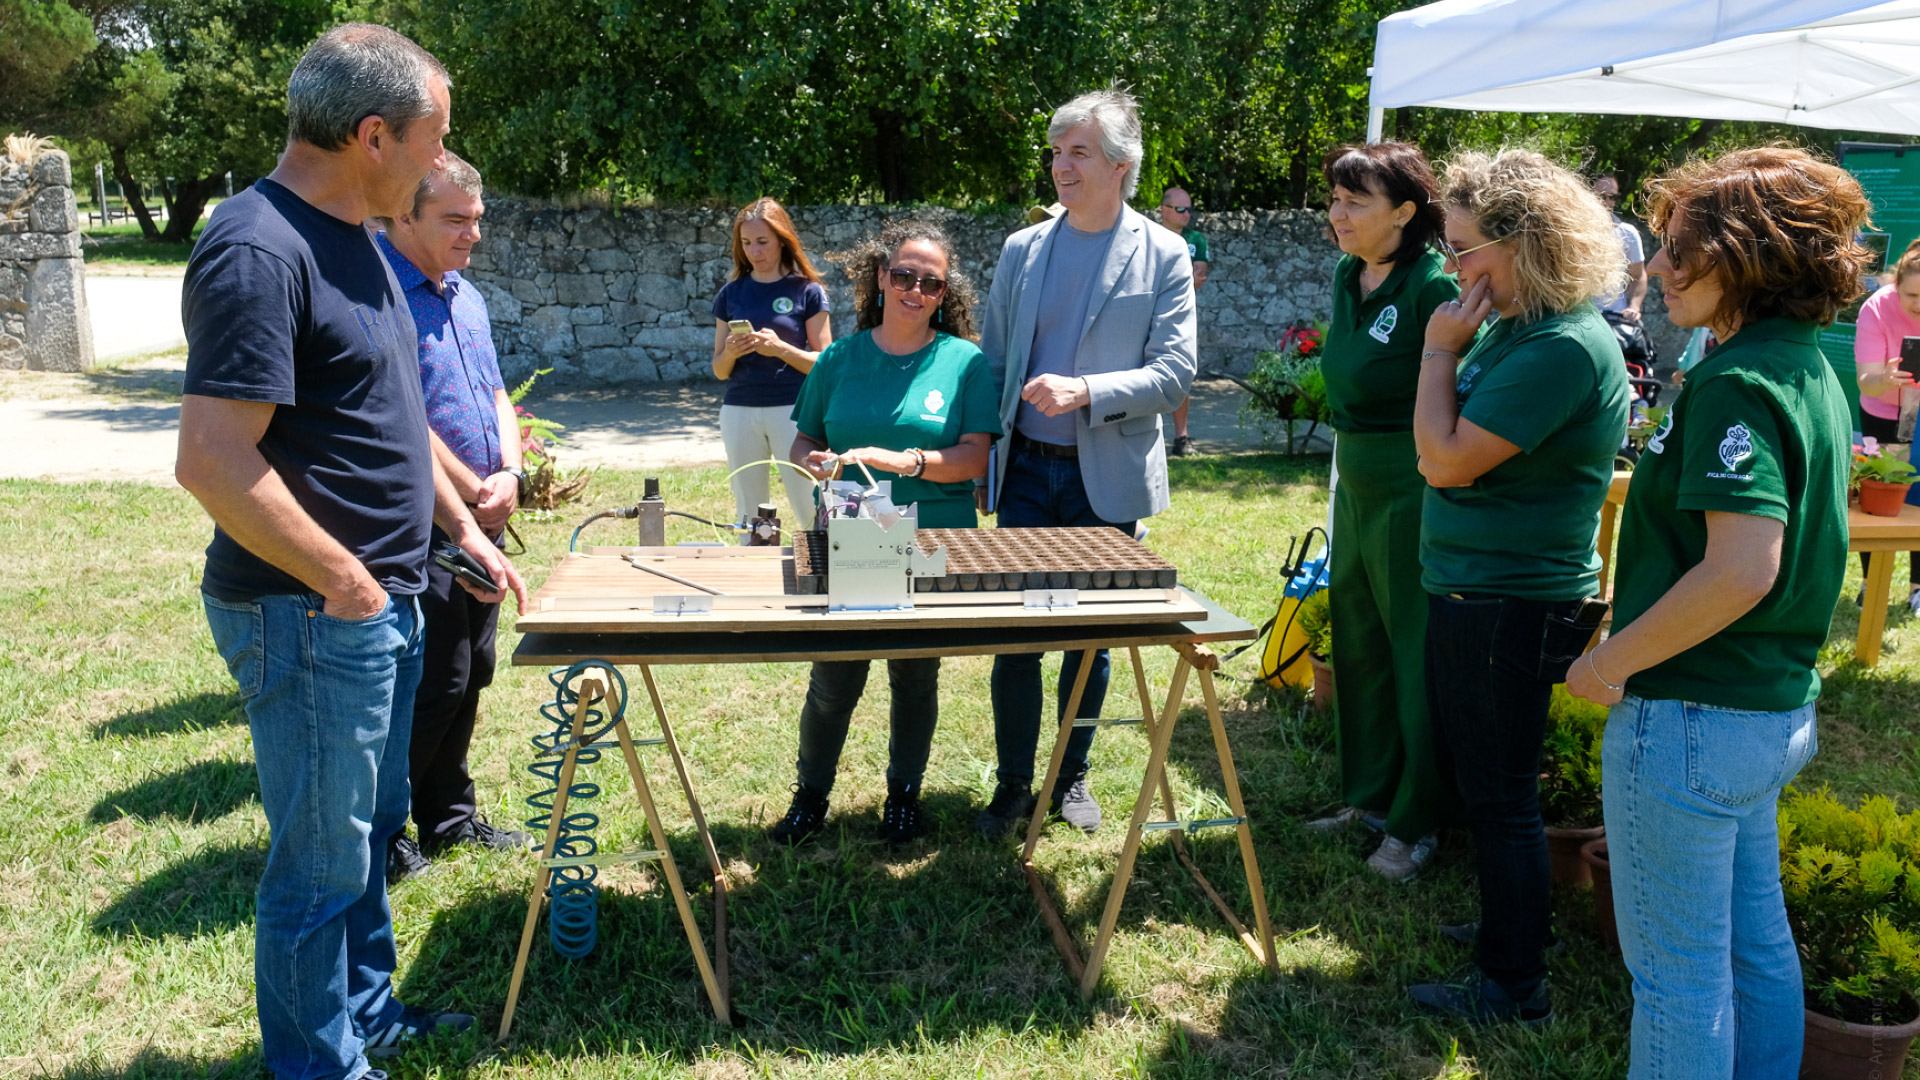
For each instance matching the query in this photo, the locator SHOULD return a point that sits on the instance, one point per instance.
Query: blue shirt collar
(409, 275)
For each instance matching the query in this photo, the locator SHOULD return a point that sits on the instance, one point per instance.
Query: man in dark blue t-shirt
(303, 433)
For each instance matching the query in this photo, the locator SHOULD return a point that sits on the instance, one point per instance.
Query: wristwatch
(519, 476)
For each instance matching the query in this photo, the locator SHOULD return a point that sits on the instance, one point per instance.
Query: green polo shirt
(1196, 245)
(1372, 356)
(1555, 387)
(857, 395)
(1761, 427)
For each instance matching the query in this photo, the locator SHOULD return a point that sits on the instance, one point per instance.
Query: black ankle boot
(805, 817)
(901, 820)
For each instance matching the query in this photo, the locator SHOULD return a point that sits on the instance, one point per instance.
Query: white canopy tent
(1819, 63)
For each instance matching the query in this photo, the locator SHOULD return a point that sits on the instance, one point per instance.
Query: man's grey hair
(458, 173)
(1117, 114)
(355, 71)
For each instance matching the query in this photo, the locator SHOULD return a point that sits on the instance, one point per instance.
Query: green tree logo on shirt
(1382, 327)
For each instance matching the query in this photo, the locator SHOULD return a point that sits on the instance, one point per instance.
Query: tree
(41, 43)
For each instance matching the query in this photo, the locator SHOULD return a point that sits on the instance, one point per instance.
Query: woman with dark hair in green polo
(1384, 211)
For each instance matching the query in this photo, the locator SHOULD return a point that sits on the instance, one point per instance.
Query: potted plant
(1570, 783)
(1883, 477)
(1852, 882)
(547, 488)
(1315, 619)
(1594, 854)
(1286, 384)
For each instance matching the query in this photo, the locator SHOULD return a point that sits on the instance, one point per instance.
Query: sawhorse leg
(1154, 782)
(592, 690)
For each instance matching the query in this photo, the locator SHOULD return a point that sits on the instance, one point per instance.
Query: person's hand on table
(1055, 394)
(1586, 681)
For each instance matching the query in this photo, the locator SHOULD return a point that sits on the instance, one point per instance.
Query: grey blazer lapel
(1127, 241)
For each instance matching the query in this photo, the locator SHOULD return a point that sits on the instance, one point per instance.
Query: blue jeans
(330, 704)
(1690, 793)
(1044, 492)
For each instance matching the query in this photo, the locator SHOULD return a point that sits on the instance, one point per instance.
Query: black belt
(1025, 445)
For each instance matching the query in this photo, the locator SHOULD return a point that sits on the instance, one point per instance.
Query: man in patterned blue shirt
(476, 440)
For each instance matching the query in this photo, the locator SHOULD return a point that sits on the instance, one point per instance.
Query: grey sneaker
(1074, 804)
(413, 1024)
(1349, 816)
(1012, 804)
(1397, 860)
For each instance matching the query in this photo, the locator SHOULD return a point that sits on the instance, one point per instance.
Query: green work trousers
(1384, 739)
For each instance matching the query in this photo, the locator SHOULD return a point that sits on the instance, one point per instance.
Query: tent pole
(1376, 123)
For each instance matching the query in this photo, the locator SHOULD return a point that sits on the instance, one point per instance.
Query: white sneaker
(1397, 860)
(1351, 815)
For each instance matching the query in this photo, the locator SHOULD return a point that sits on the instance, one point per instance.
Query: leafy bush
(1315, 619)
(1852, 882)
(1570, 762)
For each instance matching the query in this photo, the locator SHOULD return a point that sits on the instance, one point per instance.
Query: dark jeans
(835, 687)
(1488, 699)
(457, 663)
(1043, 492)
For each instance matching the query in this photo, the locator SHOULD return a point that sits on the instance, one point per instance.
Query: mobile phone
(1910, 356)
(463, 566)
(740, 326)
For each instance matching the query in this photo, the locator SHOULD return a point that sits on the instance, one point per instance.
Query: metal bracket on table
(683, 605)
(1050, 599)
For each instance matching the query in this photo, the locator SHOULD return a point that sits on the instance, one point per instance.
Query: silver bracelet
(1595, 668)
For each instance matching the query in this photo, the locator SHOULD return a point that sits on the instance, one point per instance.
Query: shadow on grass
(196, 713)
(206, 893)
(839, 947)
(200, 792)
(151, 1064)
(143, 384)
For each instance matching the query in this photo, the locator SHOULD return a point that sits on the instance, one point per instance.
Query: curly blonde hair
(1565, 250)
(865, 260)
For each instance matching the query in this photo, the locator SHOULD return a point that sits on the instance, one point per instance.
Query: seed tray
(998, 560)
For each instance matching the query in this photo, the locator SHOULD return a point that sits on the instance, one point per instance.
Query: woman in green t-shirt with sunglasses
(910, 397)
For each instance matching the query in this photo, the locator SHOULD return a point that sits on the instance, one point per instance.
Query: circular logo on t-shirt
(783, 305)
(935, 401)
(1193, 251)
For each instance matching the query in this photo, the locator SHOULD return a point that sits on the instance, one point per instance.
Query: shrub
(1852, 883)
(1570, 762)
(1315, 619)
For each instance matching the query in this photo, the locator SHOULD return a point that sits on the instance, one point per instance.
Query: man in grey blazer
(1090, 329)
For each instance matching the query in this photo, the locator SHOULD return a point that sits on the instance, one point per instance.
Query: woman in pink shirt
(1888, 316)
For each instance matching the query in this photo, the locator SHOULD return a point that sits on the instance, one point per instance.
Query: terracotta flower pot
(1563, 854)
(1322, 683)
(1594, 854)
(1882, 499)
(1837, 1050)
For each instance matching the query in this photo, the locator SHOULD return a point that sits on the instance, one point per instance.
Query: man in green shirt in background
(1176, 213)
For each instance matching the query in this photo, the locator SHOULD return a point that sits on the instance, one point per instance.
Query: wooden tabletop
(1865, 532)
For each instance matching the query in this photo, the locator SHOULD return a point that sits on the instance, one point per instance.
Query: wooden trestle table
(597, 607)
(1879, 537)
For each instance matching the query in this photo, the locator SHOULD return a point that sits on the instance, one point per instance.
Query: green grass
(133, 837)
(122, 245)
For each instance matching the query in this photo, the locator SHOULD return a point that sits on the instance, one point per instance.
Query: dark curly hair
(864, 262)
(1399, 173)
(1778, 225)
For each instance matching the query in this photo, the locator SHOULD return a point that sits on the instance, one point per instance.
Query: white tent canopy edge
(1818, 63)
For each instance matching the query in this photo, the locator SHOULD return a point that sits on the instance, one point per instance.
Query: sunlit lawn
(131, 837)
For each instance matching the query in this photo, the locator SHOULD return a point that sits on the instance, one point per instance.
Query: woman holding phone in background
(1517, 433)
(779, 297)
(1888, 317)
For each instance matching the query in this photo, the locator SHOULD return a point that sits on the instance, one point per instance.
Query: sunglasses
(1448, 249)
(1176, 209)
(904, 280)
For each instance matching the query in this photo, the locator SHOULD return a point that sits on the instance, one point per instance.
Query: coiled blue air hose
(574, 918)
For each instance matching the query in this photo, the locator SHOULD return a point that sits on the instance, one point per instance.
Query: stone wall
(43, 300)
(605, 300)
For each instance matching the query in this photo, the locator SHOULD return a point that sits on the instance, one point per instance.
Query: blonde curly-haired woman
(1516, 439)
